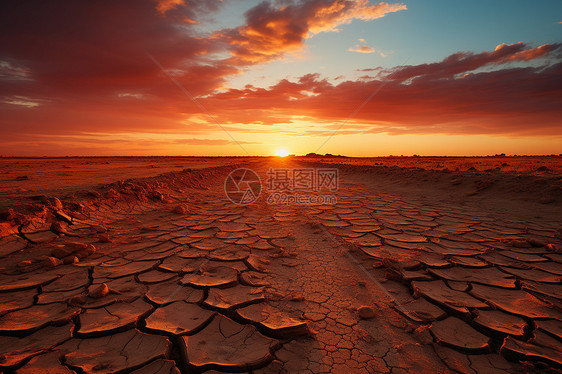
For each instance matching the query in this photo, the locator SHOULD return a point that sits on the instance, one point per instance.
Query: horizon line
(289, 156)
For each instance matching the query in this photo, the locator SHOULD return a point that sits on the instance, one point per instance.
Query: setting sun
(282, 152)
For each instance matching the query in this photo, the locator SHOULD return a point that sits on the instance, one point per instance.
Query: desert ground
(149, 265)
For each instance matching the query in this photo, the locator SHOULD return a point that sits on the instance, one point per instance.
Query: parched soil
(410, 271)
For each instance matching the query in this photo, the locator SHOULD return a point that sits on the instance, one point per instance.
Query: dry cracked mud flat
(166, 275)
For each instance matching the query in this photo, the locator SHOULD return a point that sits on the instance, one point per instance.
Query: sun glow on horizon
(282, 152)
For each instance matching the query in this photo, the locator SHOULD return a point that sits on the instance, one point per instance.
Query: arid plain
(147, 265)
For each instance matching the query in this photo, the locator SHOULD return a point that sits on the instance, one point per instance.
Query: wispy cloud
(361, 49)
(22, 101)
(10, 71)
(131, 95)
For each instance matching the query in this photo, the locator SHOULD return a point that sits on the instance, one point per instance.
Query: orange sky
(117, 78)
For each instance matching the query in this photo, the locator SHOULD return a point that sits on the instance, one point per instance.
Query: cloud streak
(462, 62)
(361, 49)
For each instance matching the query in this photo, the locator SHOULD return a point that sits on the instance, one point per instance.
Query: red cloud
(462, 62)
(272, 31)
(165, 5)
(516, 100)
(84, 66)
(98, 47)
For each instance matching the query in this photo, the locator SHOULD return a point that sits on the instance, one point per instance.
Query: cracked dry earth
(377, 283)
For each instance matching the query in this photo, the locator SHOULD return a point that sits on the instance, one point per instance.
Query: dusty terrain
(414, 269)
(517, 164)
(21, 178)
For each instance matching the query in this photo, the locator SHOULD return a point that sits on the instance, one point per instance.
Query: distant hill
(316, 155)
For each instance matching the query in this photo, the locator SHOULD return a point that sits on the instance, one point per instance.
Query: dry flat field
(146, 265)
(21, 178)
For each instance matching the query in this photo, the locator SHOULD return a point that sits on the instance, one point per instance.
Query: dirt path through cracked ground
(186, 281)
